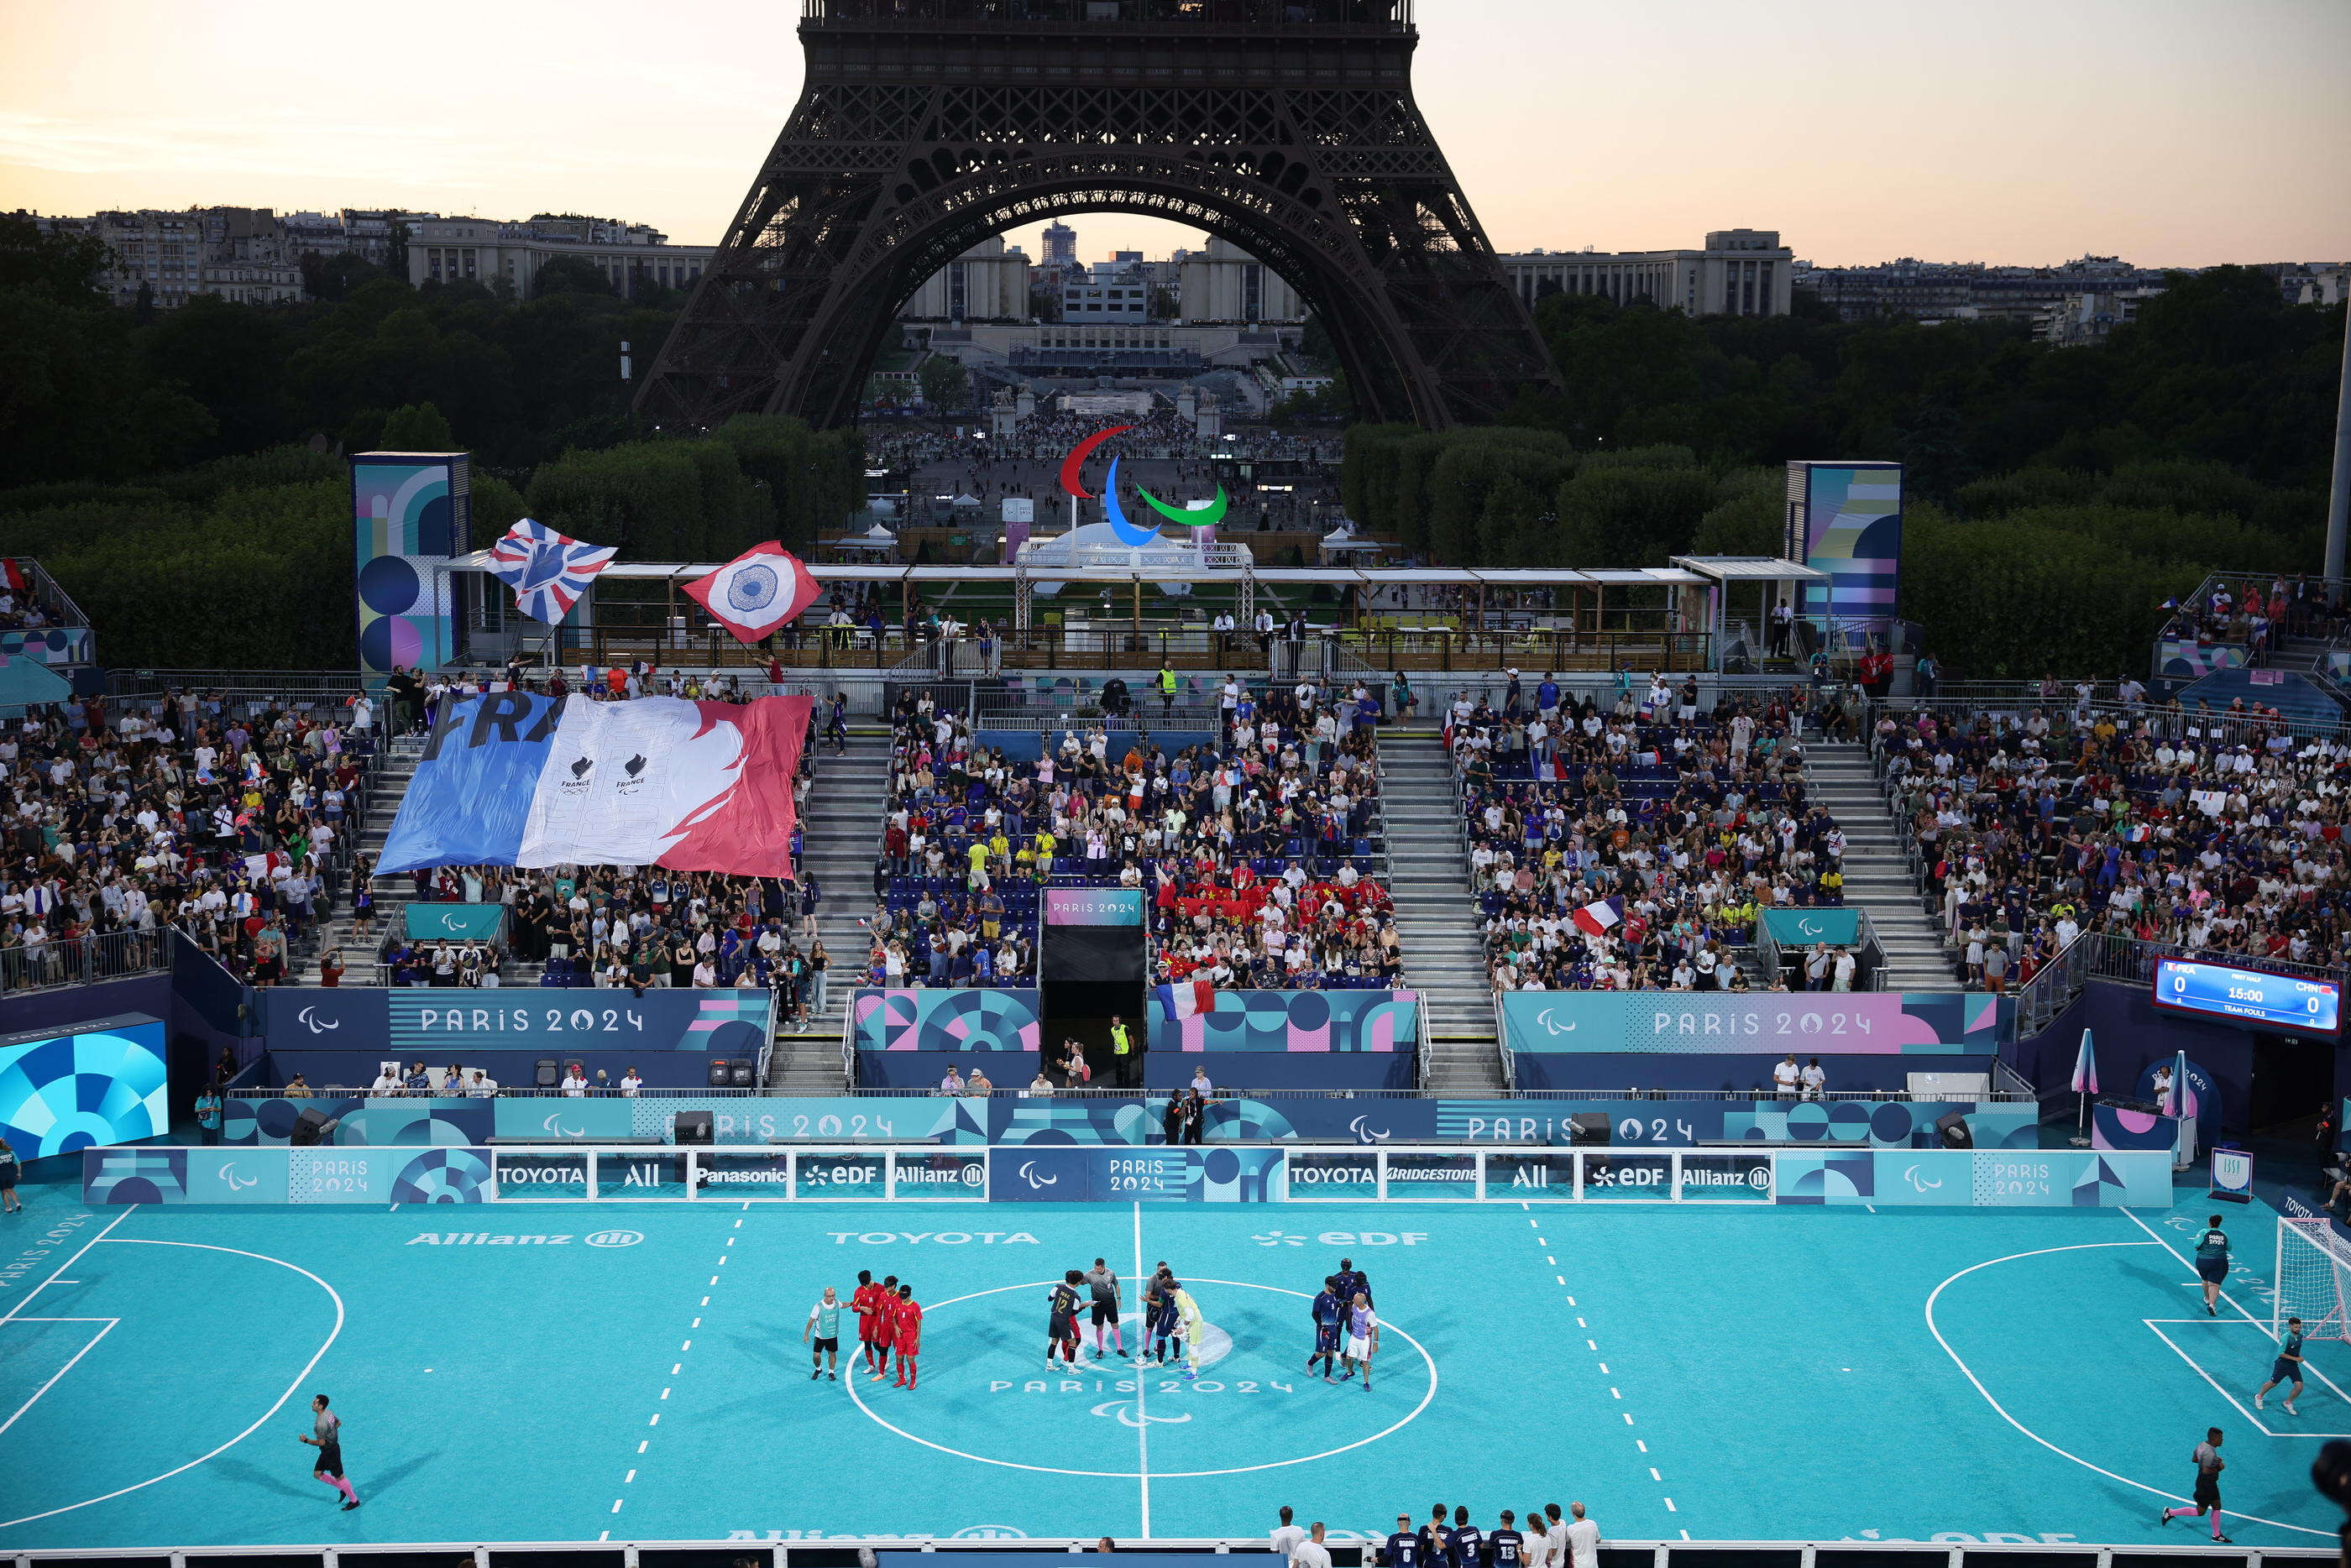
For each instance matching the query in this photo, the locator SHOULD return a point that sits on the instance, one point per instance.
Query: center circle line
(1413, 1414)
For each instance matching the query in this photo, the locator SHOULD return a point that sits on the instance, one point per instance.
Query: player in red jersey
(885, 1323)
(861, 1302)
(907, 1326)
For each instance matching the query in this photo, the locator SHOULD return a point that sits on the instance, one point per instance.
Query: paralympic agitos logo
(1074, 481)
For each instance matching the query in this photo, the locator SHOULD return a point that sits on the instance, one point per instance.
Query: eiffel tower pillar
(1287, 127)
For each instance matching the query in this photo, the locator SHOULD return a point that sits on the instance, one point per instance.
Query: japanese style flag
(1602, 916)
(764, 587)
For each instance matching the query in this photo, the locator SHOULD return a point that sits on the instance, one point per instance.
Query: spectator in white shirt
(1310, 1553)
(1815, 1081)
(1285, 1540)
(1786, 1076)
(1583, 1540)
(631, 1082)
(575, 1083)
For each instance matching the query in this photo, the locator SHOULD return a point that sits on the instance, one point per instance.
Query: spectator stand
(1636, 852)
(235, 816)
(2027, 826)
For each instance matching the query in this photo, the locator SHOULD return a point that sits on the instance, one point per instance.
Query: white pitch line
(69, 1262)
(68, 1366)
(1142, 1409)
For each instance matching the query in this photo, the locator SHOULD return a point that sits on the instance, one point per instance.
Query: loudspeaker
(546, 1073)
(1952, 1131)
(1586, 1128)
(722, 1073)
(312, 1127)
(741, 1076)
(691, 1127)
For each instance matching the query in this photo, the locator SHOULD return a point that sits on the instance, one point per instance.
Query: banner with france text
(511, 778)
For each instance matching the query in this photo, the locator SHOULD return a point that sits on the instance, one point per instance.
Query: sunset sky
(2176, 132)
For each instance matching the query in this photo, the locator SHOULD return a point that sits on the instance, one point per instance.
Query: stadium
(1126, 968)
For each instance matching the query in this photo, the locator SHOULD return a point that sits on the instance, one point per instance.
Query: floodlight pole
(2338, 504)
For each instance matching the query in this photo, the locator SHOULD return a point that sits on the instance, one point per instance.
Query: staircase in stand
(390, 786)
(840, 827)
(1876, 875)
(1436, 916)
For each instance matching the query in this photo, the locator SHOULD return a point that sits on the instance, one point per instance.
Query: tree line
(181, 474)
(2053, 497)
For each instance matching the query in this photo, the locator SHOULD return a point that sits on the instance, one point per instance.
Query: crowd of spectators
(1254, 846)
(1633, 846)
(2243, 610)
(2217, 832)
(226, 819)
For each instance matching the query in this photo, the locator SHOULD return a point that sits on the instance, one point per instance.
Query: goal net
(2314, 1278)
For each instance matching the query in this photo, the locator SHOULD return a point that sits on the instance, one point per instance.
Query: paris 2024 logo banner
(1204, 516)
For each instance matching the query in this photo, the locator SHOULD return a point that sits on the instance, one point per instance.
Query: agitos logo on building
(1073, 483)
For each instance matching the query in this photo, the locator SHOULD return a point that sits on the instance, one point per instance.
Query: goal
(2314, 1278)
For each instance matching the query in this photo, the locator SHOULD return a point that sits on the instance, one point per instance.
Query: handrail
(1347, 1549)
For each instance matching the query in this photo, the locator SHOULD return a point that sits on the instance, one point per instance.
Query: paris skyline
(2159, 131)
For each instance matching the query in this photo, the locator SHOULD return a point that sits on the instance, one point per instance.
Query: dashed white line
(643, 1446)
(1613, 1393)
(629, 1479)
(1628, 1417)
(1603, 1365)
(687, 1346)
(696, 1324)
(656, 1420)
(1654, 1475)
(1588, 1345)
(1669, 1506)
(676, 1367)
(1562, 1279)
(1640, 1445)
(616, 1505)
(664, 1392)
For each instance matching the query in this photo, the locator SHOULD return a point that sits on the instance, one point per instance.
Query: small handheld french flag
(1601, 916)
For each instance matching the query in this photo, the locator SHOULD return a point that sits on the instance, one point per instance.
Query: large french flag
(1601, 916)
(511, 778)
(1187, 997)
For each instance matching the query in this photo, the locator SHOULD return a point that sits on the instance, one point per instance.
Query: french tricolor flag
(1601, 916)
(1187, 998)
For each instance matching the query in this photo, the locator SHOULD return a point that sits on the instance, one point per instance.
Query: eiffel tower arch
(1287, 127)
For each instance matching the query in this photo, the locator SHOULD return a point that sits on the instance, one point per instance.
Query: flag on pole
(764, 587)
(1601, 916)
(2086, 1068)
(547, 570)
(1187, 997)
(2179, 1098)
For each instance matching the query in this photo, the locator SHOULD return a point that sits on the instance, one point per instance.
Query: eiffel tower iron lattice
(1287, 127)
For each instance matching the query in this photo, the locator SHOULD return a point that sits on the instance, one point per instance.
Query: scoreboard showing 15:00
(2248, 997)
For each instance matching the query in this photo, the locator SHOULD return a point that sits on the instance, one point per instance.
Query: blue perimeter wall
(1009, 1119)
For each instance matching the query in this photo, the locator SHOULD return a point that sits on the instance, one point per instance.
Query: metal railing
(1349, 15)
(243, 685)
(83, 959)
(1348, 1549)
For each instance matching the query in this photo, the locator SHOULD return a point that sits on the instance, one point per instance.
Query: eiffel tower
(1287, 127)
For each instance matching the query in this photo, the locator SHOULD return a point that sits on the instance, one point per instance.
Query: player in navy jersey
(1062, 1322)
(1466, 1544)
(1506, 1548)
(2287, 1367)
(1166, 1327)
(1350, 1279)
(1329, 1308)
(1433, 1535)
(1403, 1548)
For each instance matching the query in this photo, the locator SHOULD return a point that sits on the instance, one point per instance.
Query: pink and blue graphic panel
(1297, 1021)
(1846, 1023)
(410, 512)
(1845, 519)
(945, 1021)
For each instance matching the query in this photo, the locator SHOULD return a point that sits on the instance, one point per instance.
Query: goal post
(2314, 1278)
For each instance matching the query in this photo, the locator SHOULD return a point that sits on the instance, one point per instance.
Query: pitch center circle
(1126, 1413)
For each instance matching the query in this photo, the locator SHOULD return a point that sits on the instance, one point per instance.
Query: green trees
(944, 381)
(2054, 497)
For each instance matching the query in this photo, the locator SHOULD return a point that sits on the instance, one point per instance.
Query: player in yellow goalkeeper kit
(1187, 1313)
